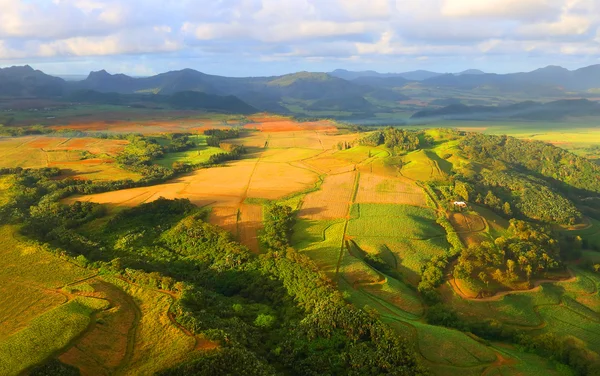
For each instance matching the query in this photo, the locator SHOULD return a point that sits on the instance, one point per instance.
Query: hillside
(26, 82)
(555, 110)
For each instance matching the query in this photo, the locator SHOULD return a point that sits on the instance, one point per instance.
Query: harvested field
(287, 125)
(373, 188)
(242, 222)
(225, 217)
(276, 180)
(250, 223)
(471, 228)
(332, 200)
(288, 155)
(66, 154)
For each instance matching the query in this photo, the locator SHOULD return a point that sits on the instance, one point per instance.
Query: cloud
(508, 9)
(252, 32)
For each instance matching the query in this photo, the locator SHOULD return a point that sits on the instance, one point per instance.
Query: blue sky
(271, 37)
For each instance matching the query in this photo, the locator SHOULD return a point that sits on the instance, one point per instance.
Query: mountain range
(357, 93)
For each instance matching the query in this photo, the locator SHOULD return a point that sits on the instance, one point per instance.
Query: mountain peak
(470, 71)
(99, 74)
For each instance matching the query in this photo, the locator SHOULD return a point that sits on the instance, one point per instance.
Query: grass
(590, 235)
(423, 165)
(522, 363)
(47, 334)
(199, 154)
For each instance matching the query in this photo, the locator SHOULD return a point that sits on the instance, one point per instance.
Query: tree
(510, 264)
(528, 271)
(484, 278)
(506, 209)
(498, 275)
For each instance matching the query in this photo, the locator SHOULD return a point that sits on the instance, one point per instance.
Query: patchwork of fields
(102, 325)
(363, 217)
(98, 163)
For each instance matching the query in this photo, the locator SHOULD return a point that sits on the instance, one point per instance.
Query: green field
(200, 153)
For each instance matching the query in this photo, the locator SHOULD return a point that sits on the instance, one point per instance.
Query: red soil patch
(290, 125)
(42, 143)
(144, 126)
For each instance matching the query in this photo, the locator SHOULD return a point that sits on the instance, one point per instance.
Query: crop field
(281, 124)
(6, 182)
(47, 334)
(321, 241)
(158, 343)
(379, 189)
(34, 271)
(411, 254)
(422, 166)
(393, 221)
(104, 348)
(562, 320)
(332, 200)
(66, 154)
(470, 227)
(200, 153)
(456, 350)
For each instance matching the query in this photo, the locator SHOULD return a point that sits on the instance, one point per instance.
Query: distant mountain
(184, 100)
(386, 82)
(265, 93)
(24, 81)
(551, 80)
(418, 75)
(556, 110)
(470, 71)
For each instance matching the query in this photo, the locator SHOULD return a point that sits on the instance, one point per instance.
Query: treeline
(216, 136)
(398, 140)
(271, 314)
(516, 195)
(555, 164)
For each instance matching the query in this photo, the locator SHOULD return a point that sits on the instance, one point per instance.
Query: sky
(273, 37)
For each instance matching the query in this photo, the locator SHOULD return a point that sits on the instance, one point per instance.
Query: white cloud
(316, 29)
(511, 9)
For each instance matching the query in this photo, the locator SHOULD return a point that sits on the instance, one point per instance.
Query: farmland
(377, 219)
(92, 323)
(79, 158)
